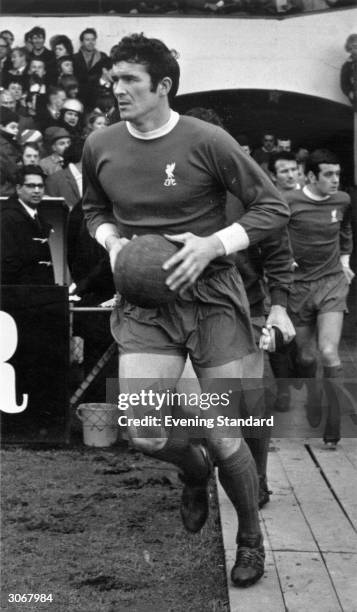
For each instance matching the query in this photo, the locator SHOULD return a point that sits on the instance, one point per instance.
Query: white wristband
(105, 230)
(345, 260)
(234, 238)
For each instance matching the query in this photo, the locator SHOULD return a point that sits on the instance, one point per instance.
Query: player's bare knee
(329, 353)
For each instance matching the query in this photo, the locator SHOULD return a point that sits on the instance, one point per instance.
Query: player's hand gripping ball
(138, 273)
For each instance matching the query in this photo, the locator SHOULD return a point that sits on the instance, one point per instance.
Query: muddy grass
(100, 531)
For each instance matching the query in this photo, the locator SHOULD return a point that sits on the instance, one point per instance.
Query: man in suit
(25, 252)
(67, 183)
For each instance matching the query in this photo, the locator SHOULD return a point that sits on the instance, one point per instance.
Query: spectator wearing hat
(31, 136)
(72, 117)
(67, 183)
(59, 140)
(10, 151)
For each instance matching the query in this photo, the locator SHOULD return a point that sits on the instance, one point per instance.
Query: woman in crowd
(61, 45)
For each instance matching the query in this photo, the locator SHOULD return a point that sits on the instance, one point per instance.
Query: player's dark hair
(317, 157)
(88, 31)
(26, 170)
(279, 155)
(160, 61)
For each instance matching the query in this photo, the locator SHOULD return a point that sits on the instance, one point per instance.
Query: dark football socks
(238, 476)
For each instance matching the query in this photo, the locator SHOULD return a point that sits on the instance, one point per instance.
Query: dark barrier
(34, 328)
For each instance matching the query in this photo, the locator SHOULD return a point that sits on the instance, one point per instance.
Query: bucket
(100, 423)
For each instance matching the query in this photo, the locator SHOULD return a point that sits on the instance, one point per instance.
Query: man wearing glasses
(25, 252)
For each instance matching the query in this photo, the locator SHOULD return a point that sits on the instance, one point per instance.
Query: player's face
(286, 172)
(132, 88)
(31, 192)
(328, 180)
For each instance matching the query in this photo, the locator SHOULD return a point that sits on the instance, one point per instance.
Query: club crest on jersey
(334, 216)
(170, 179)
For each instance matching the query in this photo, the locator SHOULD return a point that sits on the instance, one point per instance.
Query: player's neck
(153, 121)
(313, 193)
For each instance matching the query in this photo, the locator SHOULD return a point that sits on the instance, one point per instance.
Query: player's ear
(165, 86)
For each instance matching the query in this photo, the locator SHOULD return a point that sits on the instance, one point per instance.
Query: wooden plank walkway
(310, 523)
(310, 531)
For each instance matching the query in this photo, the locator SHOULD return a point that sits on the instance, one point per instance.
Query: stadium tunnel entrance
(309, 121)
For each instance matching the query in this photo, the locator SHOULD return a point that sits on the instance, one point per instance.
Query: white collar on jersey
(161, 131)
(313, 196)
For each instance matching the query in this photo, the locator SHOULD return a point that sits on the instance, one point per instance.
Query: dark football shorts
(309, 299)
(210, 322)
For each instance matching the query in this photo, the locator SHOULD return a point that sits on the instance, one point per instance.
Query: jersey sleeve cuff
(105, 230)
(234, 238)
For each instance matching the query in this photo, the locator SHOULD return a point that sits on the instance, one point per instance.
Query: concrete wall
(300, 54)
